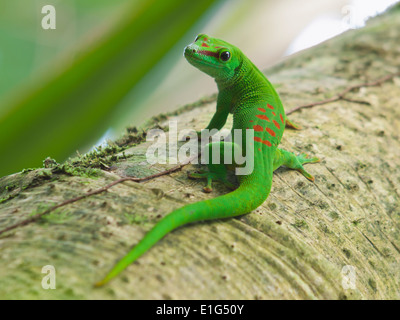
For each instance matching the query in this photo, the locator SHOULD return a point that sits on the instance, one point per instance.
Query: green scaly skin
(249, 96)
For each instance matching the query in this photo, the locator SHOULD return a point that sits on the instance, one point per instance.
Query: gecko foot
(210, 176)
(304, 158)
(306, 174)
(290, 124)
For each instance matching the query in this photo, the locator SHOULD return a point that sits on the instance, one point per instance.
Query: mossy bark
(294, 246)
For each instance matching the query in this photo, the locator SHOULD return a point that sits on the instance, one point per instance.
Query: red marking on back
(259, 149)
(281, 118)
(270, 107)
(266, 142)
(262, 117)
(251, 121)
(205, 45)
(205, 39)
(270, 131)
(273, 113)
(258, 128)
(276, 124)
(262, 109)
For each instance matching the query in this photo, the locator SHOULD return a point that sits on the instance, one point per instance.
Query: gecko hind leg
(292, 161)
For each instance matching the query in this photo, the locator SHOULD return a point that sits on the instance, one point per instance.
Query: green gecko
(245, 92)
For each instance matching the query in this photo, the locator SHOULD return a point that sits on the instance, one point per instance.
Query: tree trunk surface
(337, 238)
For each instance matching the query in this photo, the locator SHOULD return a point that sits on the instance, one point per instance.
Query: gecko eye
(225, 55)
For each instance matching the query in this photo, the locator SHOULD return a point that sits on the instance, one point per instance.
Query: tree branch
(91, 193)
(342, 95)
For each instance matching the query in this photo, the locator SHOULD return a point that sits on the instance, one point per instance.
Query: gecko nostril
(193, 50)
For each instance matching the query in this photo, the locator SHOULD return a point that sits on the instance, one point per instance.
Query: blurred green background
(113, 63)
(26, 47)
(66, 85)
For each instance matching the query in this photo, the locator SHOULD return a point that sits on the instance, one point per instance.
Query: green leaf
(73, 105)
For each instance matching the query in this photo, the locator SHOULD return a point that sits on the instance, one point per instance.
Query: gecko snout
(189, 50)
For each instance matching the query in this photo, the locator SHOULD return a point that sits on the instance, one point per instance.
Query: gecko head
(215, 57)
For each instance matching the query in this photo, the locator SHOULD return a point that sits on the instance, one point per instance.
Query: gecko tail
(246, 198)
